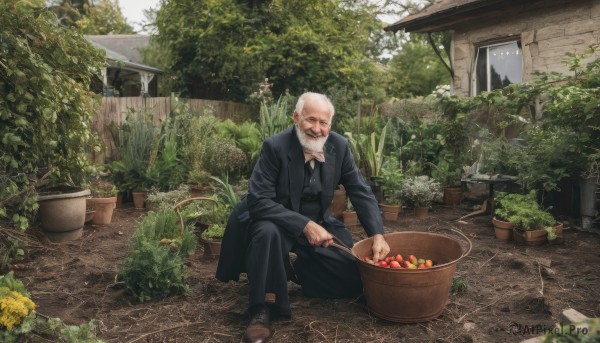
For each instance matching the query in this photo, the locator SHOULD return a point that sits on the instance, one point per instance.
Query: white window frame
(475, 80)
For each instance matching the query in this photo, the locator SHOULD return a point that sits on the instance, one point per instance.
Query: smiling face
(314, 121)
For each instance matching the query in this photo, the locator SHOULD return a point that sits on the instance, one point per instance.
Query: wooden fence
(114, 110)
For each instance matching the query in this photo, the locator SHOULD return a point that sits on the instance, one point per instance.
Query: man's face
(313, 124)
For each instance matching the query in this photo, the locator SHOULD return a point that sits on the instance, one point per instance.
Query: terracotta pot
(350, 218)
(410, 295)
(390, 212)
(339, 202)
(200, 191)
(89, 215)
(104, 209)
(503, 229)
(119, 203)
(452, 196)
(422, 212)
(560, 239)
(139, 198)
(62, 212)
(212, 248)
(530, 237)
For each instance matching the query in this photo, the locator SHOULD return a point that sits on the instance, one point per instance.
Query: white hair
(315, 96)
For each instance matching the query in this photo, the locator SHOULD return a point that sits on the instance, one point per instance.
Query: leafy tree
(220, 49)
(46, 105)
(416, 70)
(93, 18)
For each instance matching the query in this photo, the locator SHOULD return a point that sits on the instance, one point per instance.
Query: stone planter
(62, 212)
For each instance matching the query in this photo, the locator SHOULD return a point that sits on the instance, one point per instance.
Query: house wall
(548, 33)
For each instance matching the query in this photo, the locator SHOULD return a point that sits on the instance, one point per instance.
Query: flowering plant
(421, 191)
(17, 311)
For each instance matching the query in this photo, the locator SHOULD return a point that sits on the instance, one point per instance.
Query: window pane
(505, 65)
(498, 66)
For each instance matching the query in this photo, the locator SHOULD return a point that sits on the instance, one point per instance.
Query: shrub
(153, 271)
(155, 265)
(421, 191)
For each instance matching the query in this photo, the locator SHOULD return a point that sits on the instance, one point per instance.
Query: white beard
(310, 143)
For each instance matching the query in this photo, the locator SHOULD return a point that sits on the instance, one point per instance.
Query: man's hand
(380, 248)
(317, 235)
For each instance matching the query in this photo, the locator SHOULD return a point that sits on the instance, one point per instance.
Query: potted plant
(215, 221)
(138, 145)
(103, 201)
(532, 224)
(449, 176)
(420, 192)
(62, 206)
(349, 215)
(392, 197)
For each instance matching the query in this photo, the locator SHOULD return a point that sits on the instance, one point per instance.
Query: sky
(133, 11)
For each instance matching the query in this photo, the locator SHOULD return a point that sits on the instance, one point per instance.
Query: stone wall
(548, 33)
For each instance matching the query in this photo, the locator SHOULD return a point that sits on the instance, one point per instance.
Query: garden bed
(508, 286)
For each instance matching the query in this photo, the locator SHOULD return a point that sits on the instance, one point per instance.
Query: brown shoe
(259, 330)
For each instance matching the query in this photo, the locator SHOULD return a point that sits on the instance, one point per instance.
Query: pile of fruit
(398, 262)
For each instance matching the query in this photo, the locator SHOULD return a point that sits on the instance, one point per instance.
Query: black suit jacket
(275, 190)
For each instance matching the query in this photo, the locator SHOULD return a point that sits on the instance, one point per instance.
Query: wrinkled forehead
(316, 107)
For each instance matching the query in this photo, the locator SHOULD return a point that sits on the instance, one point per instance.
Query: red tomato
(421, 266)
(382, 263)
(399, 258)
(406, 264)
(395, 264)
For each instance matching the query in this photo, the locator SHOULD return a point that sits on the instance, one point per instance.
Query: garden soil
(513, 292)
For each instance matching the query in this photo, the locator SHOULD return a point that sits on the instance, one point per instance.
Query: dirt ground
(507, 287)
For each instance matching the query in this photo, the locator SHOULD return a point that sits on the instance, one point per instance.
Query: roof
(443, 14)
(124, 49)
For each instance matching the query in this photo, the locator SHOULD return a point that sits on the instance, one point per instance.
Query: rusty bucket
(411, 295)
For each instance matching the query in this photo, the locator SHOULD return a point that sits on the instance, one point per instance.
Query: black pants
(322, 272)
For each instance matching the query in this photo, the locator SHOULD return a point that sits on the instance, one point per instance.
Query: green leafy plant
(138, 148)
(100, 188)
(420, 191)
(460, 285)
(274, 117)
(222, 156)
(392, 181)
(524, 212)
(155, 266)
(215, 219)
(168, 199)
(46, 105)
(225, 192)
(83, 333)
